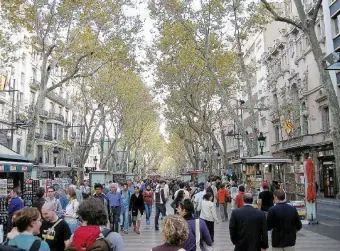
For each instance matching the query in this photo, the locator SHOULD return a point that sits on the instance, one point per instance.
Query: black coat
(248, 231)
(137, 204)
(285, 222)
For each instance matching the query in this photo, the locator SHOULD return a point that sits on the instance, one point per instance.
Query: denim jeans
(148, 210)
(126, 214)
(115, 214)
(159, 210)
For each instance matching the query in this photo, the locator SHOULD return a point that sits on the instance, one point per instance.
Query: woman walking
(148, 201)
(179, 199)
(70, 215)
(208, 213)
(136, 209)
(187, 210)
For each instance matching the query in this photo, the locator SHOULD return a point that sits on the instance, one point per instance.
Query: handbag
(198, 238)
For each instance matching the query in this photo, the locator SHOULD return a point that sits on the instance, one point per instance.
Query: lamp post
(56, 154)
(95, 163)
(261, 139)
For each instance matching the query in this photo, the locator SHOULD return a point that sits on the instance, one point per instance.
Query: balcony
(3, 97)
(57, 98)
(48, 137)
(57, 116)
(297, 142)
(43, 113)
(35, 85)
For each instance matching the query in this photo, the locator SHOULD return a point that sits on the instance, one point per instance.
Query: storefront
(327, 175)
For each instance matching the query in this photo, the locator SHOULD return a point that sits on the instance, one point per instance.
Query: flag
(3, 82)
(288, 125)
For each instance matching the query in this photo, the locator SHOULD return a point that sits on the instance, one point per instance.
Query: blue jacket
(190, 243)
(15, 205)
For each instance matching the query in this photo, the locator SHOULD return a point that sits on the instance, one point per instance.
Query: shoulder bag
(198, 238)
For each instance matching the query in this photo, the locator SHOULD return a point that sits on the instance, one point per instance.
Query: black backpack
(35, 247)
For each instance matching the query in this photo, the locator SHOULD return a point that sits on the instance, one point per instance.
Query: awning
(7, 154)
(261, 159)
(15, 166)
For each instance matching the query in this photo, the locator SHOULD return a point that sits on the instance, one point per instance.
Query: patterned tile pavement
(306, 240)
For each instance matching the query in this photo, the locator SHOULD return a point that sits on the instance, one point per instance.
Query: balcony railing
(35, 84)
(48, 137)
(57, 116)
(304, 140)
(57, 98)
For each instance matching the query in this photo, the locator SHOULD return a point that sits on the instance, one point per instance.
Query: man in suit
(247, 226)
(284, 220)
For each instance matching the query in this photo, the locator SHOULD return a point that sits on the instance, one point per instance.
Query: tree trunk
(332, 98)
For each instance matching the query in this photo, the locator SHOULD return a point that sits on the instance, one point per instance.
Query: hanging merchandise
(27, 194)
(311, 194)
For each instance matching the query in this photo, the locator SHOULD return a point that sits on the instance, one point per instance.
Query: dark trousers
(115, 214)
(210, 225)
(159, 210)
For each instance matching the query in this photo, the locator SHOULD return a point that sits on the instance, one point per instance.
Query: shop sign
(24, 168)
(13, 168)
(2, 168)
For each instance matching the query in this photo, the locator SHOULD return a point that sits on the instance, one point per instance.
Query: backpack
(35, 247)
(89, 238)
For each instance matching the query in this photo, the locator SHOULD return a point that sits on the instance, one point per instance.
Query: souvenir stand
(256, 170)
(14, 170)
(118, 177)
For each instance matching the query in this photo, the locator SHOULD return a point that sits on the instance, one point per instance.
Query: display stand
(29, 194)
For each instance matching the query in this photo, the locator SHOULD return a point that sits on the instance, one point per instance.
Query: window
(23, 60)
(49, 131)
(32, 98)
(34, 75)
(40, 154)
(325, 119)
(18, 146)
(55, 131)
(277, 133)
(66, 116)
(305, 124)
(264, 122)
(338, 78)
(51, 108)
(22, 80)
(336, 25)
(295, 94)
(60, 110)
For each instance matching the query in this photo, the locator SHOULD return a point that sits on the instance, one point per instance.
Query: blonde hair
(175, 230)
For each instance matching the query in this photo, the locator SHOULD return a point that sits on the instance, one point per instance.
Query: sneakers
(147, 222)
(156, 228)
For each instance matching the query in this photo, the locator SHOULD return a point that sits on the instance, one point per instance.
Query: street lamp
(261, 139)
(56, 153)
(95, 162)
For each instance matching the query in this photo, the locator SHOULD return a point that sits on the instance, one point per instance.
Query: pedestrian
(186, 210)
(55, 231)
(239, 203)
(223, 197)
(179, 199)
(233, 194)
(105, 190)
(116, 205)
(175, 231)
(284, 220)
(198, 199)
(16, 204)
(70, 215)
(159, 203)
(208, 213)
(40, 200)
(63, 199)
(148, 202)
(137, 209)
(210, 190)
(93, 217)
(28, 222)
(125, 194)
(266, 199)
(181, 187)
(51, 198)
(102, 198)
(247, 227)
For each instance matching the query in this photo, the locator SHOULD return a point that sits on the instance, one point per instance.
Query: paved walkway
(306, 240)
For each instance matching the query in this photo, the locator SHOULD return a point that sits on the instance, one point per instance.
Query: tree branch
(278, 18)
(316, 10)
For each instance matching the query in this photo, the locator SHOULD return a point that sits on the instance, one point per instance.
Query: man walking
(284, 220)
(181, 187)
(116, 206)
(54, 230)
(103, 199)
(223, 196)
(248, 231)
(51, 198)
(125, 209)
(159, 203)
(239, 203)
(266, 199)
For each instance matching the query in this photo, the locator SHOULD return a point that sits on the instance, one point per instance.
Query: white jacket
(208, 211)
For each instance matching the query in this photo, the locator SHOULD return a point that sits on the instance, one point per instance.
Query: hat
(265, 185)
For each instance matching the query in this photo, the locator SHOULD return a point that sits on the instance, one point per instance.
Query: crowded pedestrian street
(306, 239)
